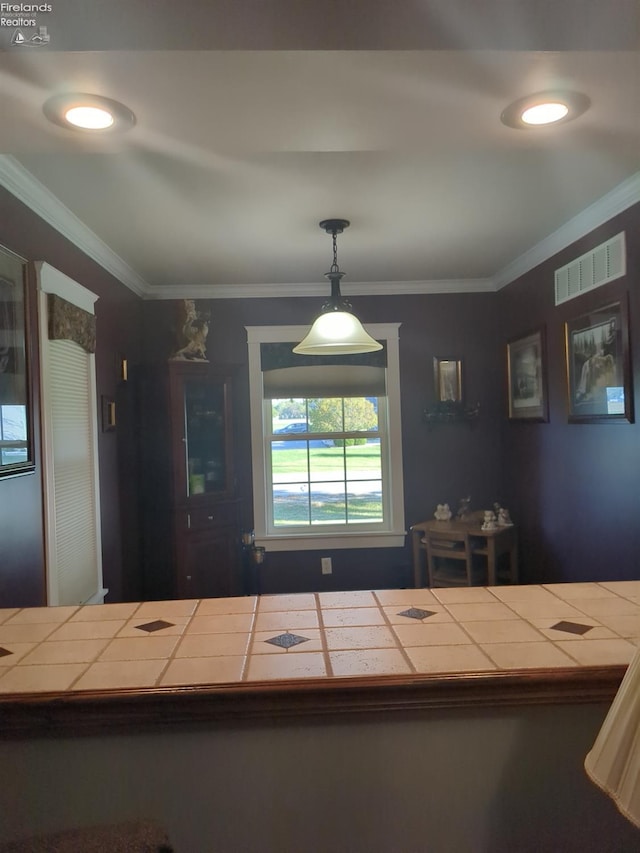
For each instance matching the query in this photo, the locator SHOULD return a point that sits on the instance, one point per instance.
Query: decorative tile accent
(286, 640)
(572, 627)
(4, 652)
(158, 625)
(417, 613)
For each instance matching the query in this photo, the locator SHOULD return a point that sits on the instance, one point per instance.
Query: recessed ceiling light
(89, 118)
(545, 108)
(545, 113)
(92, 113)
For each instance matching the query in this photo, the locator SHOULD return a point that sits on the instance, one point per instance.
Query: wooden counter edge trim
(74, 713)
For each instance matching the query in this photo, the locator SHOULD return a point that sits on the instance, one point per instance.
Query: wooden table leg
(513, 556)
(417, 574)
(491, 560)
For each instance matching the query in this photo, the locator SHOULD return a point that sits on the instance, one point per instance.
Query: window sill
(335, 541)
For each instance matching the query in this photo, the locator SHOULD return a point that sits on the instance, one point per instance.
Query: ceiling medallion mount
(337, 331)
(336, 226)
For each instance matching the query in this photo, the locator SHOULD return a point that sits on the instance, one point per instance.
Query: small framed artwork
(527, 377)
(108, 414)
(598, 368)
(447, 373)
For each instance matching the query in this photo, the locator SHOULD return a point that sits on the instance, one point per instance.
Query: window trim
(394, 537)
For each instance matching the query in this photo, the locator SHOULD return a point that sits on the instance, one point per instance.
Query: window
(326, 443)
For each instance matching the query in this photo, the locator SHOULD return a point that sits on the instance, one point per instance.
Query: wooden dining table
(496, 541)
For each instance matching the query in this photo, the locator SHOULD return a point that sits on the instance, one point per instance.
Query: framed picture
(598, 369)
(16, 430)
(447, 373)
(527, 377)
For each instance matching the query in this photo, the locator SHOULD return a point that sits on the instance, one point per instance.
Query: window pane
(328, 503)
(289, 461)
(289, 417)
(364, 461)
(290, 505)
(326, 463)
(364, 501)
(13, 455)
(13, 423)
(360, 414)
(326, 414)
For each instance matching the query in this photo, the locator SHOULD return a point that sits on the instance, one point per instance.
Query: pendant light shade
(337, 331)
(614, 760)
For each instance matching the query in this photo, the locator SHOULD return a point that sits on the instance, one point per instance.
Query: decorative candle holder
(258, 554)
(248, 538)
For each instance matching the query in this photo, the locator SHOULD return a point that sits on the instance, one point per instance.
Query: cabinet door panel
(208, 563)
(201, 433)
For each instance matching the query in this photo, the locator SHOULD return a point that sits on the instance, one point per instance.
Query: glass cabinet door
(205, 436)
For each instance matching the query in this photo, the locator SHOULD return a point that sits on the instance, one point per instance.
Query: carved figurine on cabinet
(192, 330)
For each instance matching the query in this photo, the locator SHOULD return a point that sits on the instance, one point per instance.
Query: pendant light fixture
(336, 331)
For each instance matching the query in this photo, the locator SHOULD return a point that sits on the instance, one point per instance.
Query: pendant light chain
(334, 265)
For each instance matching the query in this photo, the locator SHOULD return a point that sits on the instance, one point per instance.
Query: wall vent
(596, 267)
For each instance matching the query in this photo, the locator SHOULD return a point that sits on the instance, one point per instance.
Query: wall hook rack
(451, 412)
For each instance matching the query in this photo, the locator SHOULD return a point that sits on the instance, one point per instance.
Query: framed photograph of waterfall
(598, 368)
(527, 377)
(16, 434)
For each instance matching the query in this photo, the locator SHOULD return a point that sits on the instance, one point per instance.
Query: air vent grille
(596, 267)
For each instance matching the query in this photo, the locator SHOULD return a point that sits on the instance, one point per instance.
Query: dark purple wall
(573, 488)
(22, 577)
(118, 313)
(441, 464)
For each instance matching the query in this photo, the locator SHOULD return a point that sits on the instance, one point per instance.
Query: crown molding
(28, 189)
(357, 288)
(614, 202)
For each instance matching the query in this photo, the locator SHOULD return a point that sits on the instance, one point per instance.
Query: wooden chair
(450, 559)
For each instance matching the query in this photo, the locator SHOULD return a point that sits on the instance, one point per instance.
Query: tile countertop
(61, 667)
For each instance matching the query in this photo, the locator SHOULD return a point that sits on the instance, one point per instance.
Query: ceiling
(256, 120)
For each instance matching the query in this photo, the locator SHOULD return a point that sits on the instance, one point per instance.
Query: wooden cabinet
(207, 562)
(196, 526)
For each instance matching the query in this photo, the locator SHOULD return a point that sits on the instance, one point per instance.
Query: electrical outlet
(325, 562)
